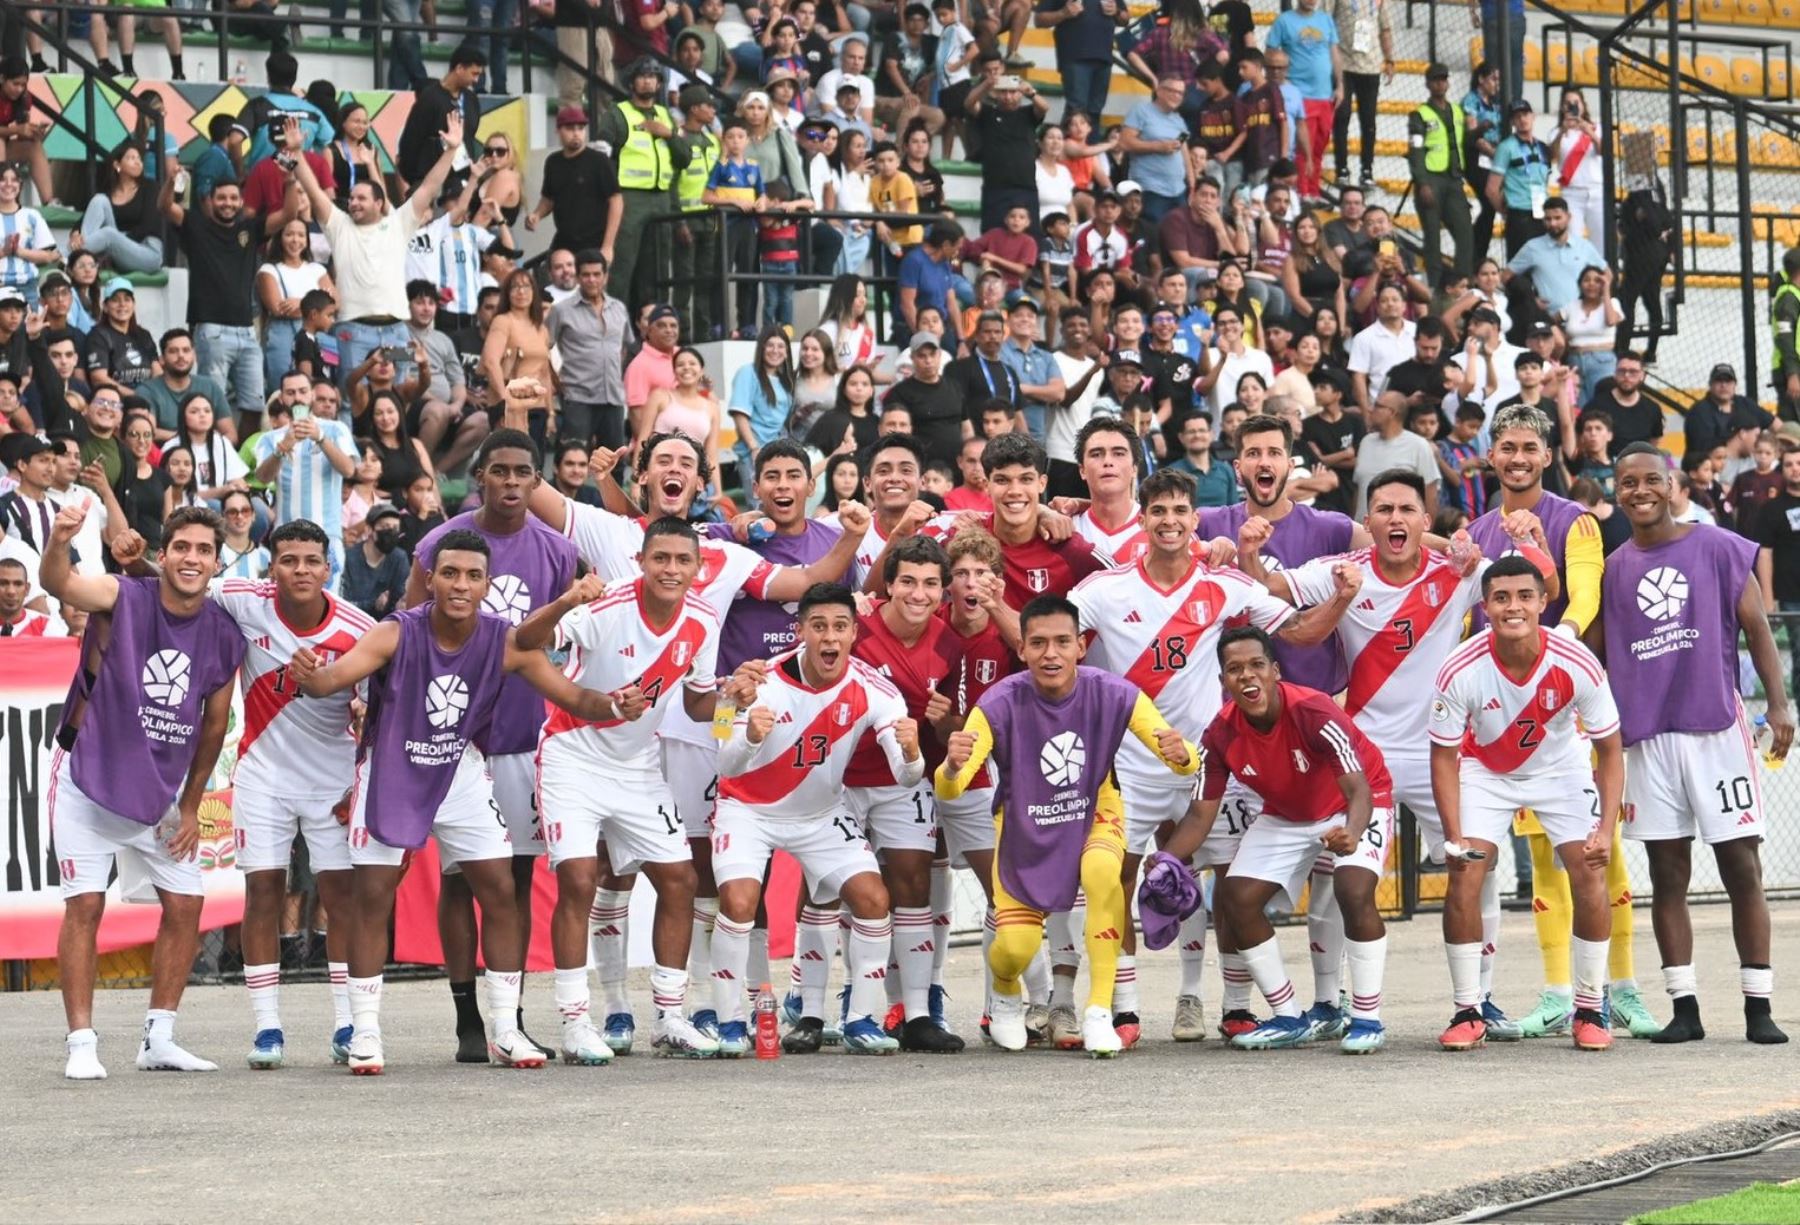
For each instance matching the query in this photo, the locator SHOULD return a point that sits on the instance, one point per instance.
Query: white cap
(1127, 187)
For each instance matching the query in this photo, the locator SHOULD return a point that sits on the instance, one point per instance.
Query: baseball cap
(781, 72)
(922, 340)
(571, 117)
(1722, 373)
(1029, 304)
(1437, 69)
(56, 278)
(661, 312)
(11, 295)
(1519, 107)
(1127, 357)
(1540, 328)
(16, 448)
(1009, 81)
(118, 285)
(1127, 187)
(380, 511)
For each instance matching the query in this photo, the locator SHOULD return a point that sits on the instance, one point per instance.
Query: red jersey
(1038, 567)
(29, 624)
(1295, 765)
(963, 498)
(933, 662)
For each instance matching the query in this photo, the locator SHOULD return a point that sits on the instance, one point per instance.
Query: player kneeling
(781, 779)
(1504, 737)
(1054, 733)
(1321, 781)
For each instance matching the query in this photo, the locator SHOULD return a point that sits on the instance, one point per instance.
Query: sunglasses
(500, 150)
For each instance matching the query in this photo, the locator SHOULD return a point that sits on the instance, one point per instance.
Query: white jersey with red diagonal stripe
(612, 645)
(1523, 727)
(1395, 638)
(1166, 642)
(797, 772)
(1117, 546)
(290, 747)
(938, 527)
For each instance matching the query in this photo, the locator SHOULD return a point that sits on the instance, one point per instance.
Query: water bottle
(768, 1031)
(724, 711)
(240, 72)
(1765, 739)
(761, 532)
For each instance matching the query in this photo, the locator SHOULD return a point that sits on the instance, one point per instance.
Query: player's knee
(575, 882)
(263, 891)
(1740, 865)
(180, 909)
(737, 900)
(84, 910)
(866, 895)
(1015, 944)
(1100, 874)
(675, 882)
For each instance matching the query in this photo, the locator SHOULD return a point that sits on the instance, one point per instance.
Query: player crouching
(1504, 736)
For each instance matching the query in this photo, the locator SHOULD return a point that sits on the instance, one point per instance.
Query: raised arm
(424, 197)
(309, 182)
(94, 593)
(370, 654)
(547, 679)
(538, 631)
(793, 581)
(966, 752)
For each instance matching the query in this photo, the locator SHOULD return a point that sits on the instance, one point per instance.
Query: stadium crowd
(1165, 364)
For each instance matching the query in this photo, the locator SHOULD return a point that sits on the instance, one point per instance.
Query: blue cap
(118, 285)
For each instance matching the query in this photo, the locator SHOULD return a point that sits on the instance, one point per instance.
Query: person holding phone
(307, 458)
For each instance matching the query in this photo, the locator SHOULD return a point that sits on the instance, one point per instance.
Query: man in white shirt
(1381, 346)
(1488, 363)
(853, 59)
(1083, 381)
(66, 489)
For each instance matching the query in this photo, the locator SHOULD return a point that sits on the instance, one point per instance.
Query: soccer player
(531, 567)
(1504, 735)
(1017, 472)
(296, 760)
(1156, 622)
(640, 644)
(1053, 731)
(141, 731)
(1520, 454)
(892, 470)
(799, 717)
(1322, 782)
(1107, 453)
(1673, 601)
(422, 774)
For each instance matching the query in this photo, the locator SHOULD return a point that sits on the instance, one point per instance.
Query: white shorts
(515, 790)
(968, 822)
(1567, 805)
(1283, 852)
(468, 826)
(1149, 804)
(1682, 783)
(896, 818)
(266, 826)
(1239, 808)
(582, 802)
(1412, 787)
(88, 839)
(830, 849)
(692, 772)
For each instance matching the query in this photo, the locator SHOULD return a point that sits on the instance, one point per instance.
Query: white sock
(1490, 931)
(1368, 961)
(1125, 987)
(914, 942)
(1465, 975)
(987, 977)
(815, 944)
(942, 901)
(502, 990)
(1235, 975)
(365, 1004)
(758, 966)
(1191, 940)
(264, 983)
(730, 957)
(668, 990)
(572, 1000)
(892, 985)
(1679, 981)
(609, 933)
(866, 955)
(1037, 973)
(1757, 983)
(1264, 964)
(340, 992)
(1067, 929)
(1325, 938)
(1562, 991)
(699, 967)
(1588, 958)
(159, 1025)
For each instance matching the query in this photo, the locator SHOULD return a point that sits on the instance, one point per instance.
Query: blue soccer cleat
(1500, 1027)
(864, 1036)
(1365, 1037)
(620, 1031)
(1325, 1022)
(939, 998)
(266, 1050)
(1275, 1033)
(707, 1022)
(790, 1009)
(734, 1040)
(340, 1045)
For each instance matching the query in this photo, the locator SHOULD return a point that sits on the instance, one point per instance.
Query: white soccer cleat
(513, 1049)
(365, 1054)
(1098, 1036)
(163, 1055)
(675, 1037)
(84, 1057)
(582, 1045)
(1006, 1022)
(1190, 1020)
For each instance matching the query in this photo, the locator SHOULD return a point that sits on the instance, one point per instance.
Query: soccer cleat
(266, 1050)
(364, 1054)
(864, 1036)
(834, 1030)
(1099, 1037)
(734, 1039)
(939, 1014)
(583, 1046)
(1365, 1037)
(805, 1038)
(84, 1057)
(620, 1032)
(546, 1052)
(1467, 1031)
(790, 1008)
(1037, 1023)
(1065, 1029)
(1591, 1033)
(676, 1037)
(1500, 1027)
(1275, 1033)
(1126, 1025)
(1236, 1022)
(1630, 1013)
(1006, 1023)
(1551, 1016)
(1325, 1022)
(164, 1056)
(1190, 1020)
(925, 1035)
(514, 1050)
(895, 1018)
(707, 1022)
(340, 1044)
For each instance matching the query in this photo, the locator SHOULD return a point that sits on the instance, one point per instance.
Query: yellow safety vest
(1787, 289)
(1438, 137)
(691, 184)
(644, 163)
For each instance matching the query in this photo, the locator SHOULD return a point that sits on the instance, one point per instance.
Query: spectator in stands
(1084, 34)
(926, 275)
(1312, 275)
(1483, 121)
(762, 397)
(1554, 259)
(120, 224)
(1155, 137)
(653, 368)
(83, 268)
(1437, 138)
(639, 129)
(517, 351)
(442, 411)
(176, 378)
(306, 459)
(1713, 419)
(1578, 151)
(269, 192)
(1347, 234)
(433, 104)
(1485, 14)
(772, 146)
(98, 429)
(28, 242)
(141, 484)
(22, 133)
(581, 187)
(1589, 324)
(1778, 558)
(1635, 417)
(1197, 238)
(1366, 46)
(120, 353)
(26, 512)
(583, 39)
(224, 157)
(403, 458)
(56, 298)
(1178, 48)
(1218, 129)
(265, 117)
(281, 286)
(1761, 484)
(217, 466)
(353, 154)
(1519, 182)
(908, 63)
(1310, 38)
(1004, 112)
(1388, 445)
(1489, 365)
(589, 331)
(1381, 346)
(375, 571)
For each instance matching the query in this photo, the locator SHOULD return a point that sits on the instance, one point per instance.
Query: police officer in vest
(639, 129)
(1435, 155)
(1784, 318)
(695, 150)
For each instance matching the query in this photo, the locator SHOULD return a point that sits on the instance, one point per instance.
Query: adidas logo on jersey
(1366, 606)
(1249, 770)
(1131, 618)
(629, 650)
(1492, 704)
(786, 717)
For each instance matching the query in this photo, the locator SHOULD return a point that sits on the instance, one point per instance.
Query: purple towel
(1168, 895)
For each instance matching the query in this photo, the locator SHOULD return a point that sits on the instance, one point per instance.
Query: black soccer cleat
(805, 1038)
(922, 1034)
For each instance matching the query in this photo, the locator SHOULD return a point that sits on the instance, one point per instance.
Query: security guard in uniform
(639, 130)
(695, 150)
(1784, 318)
(1436, 155)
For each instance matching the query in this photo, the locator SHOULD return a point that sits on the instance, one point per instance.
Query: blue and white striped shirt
(307, 486)
(34, 235)
(449, 256)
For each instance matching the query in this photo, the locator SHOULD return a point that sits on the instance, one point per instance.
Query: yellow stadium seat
(1587, 66)
(1710, 69)
(1534, 62)
(1776, 152)
(1784, 14)
(1752, 12)
(1778, 84)
(1699, 149)
(1556, 66)
(1717, 12)
(1746, 77)
(1686, 65)
(1724, 146)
